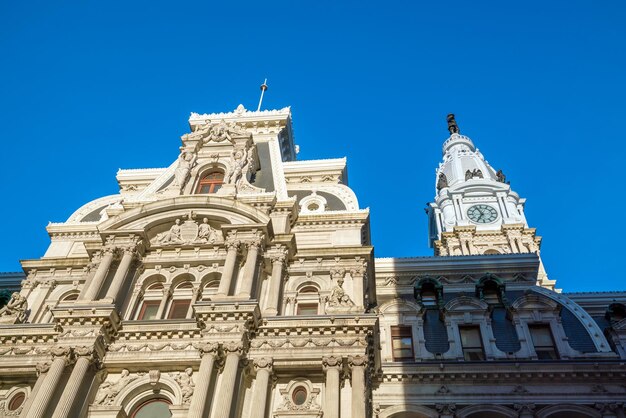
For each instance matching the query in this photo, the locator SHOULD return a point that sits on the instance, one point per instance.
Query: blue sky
(90, 87)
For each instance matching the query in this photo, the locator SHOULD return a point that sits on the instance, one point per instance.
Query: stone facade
(240, 282)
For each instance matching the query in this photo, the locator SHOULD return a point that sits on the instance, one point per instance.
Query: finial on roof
(452, 126)
(263, 88)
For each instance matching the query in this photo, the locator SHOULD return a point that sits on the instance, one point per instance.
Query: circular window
(299, 395)
(313, 207)
(16, 401)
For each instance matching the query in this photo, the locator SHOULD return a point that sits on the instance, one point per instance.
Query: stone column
(278, 261)
(358, 364)
(51, 381)
(357, 286)
(101, 273)
(122, 272)
(41, 368)
(75, 382)
(224, 395)
(229, 268)
(249, 273)
(208, 351)
(263, 367)
(332, 367)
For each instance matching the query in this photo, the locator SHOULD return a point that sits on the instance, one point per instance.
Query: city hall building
(240, 282)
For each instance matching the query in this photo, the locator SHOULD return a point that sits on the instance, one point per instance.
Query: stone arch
(466, 303)
(408, 411)
(580, 411)
(183, 277)
(494, 410)
(142, 390)
(216, 208)
(322, 283)
(151, 279)
(197, 173)
(399, 306)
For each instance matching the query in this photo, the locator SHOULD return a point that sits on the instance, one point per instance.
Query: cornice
(521, 262)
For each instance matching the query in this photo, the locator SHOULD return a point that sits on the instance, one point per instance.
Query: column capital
(263, 363)
(357, 361)
(207, 348)
(278, 255)
(337, 273)
(255, 242)
(233, 347)
(232, 244)
(42, 367)
(64, 353)
(331, 362)
(88, 352)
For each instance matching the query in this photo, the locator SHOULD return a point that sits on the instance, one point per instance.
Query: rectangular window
(149, 310)
(543, 342)
(179, 309)
(307, 309)
(472, 344)
(402, 343)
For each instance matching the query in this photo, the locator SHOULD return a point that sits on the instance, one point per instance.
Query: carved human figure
(453, 128)
(338, 296)
(205, 232)
(186, 384)
(109, 390)
(16, 307)
(186, 161)
(239, 160)
(172, 236)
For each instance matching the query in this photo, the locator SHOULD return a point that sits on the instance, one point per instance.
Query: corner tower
(475, 210)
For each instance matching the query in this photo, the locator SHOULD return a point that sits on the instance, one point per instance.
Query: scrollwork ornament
(42, 367)
(263, 363)
(207, 348)
(357, 361)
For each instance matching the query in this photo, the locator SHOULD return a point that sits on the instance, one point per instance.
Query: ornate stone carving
(501, 177)
(15, 310)
(446, 409)
(109, 390)
(42, 367)
(339, 299)
(357, 361)
(233, 347)
(186, 384)
(206, 348)
(239, 159)
(219, 132)
(188, 232)
(263, 363)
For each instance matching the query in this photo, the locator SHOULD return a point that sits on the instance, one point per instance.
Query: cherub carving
(16, 307)
(219, 133)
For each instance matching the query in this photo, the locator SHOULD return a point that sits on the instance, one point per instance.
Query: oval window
(16, 401)
(299, 395)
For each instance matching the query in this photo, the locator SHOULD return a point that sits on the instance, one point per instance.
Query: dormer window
(429, 297)
(429, 293)
(210, 183)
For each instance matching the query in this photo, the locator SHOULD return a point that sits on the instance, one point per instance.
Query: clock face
(482, 214)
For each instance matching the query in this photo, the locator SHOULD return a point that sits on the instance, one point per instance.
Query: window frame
(173, 305)
(543, 348)
(142, 310)
(211, 182)
(307, 304)
(468, 350)
(397, 333)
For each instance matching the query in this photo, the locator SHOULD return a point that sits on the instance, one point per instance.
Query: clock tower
(475, 210)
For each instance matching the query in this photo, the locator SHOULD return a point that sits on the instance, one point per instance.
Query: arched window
(490, 289)
(181, 301)
(429, 293)
(210, 183)
(154, 408)
(307, 301)
(70, 297)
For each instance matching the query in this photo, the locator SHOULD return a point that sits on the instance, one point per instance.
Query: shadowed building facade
(240, 282)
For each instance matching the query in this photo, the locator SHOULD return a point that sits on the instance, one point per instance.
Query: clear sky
(89, 87)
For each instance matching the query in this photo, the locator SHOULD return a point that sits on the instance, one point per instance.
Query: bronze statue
(452, 126)
(442, 182)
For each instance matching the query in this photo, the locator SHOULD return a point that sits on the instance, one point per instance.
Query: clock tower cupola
(475, 211)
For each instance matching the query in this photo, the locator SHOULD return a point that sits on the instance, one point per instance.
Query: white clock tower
(475, 210)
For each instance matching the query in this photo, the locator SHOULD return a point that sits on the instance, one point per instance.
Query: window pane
(179, 309)
(149, 309)
(541, 336)
(307, 309)
(154, 409)
(401, 342)
(470, 337)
